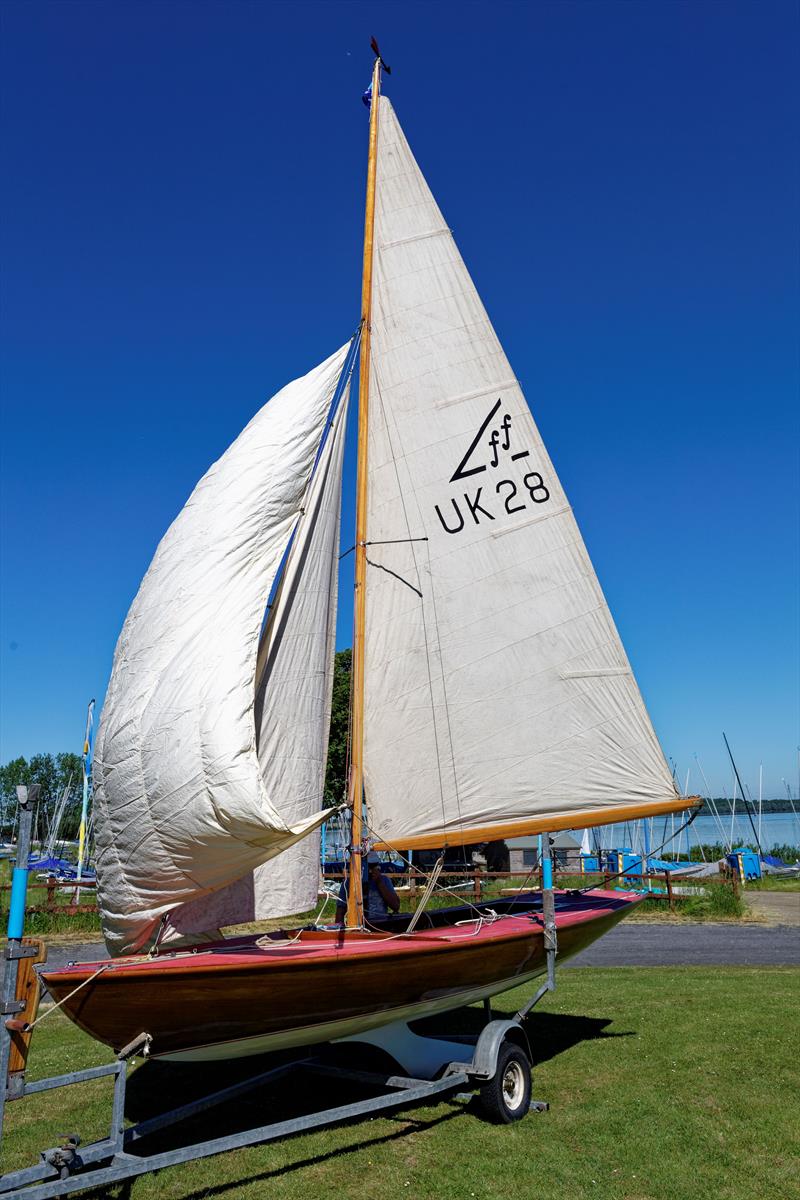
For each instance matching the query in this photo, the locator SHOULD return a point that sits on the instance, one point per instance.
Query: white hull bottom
(331, 1031)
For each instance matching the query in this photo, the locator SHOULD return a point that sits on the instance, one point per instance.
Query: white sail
(182, 806)
(293, 709)
(498, 694)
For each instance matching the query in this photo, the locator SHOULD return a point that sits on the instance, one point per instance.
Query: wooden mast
(355, 903)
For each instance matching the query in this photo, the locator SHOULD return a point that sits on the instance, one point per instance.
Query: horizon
(176, 251)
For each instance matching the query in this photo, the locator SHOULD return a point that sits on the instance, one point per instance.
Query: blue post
(19, 891)
(646, 861)
(549, 911)
(547, 864)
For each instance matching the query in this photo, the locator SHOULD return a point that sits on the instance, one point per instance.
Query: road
(639, 944)
(636, 944)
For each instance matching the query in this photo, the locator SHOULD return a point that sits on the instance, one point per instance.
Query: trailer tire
(507, 1095)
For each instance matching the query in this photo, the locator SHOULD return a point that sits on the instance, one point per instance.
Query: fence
(415, 880)
(55, 904)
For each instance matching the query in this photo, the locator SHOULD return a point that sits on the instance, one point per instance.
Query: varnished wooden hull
(238, 997)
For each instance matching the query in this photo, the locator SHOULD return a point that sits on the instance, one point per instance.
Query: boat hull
(253, 995)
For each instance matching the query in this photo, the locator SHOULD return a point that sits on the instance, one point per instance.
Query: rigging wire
(652, 854)
(441, 887)
(744, 796)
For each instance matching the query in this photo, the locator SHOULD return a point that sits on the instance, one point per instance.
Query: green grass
(665, 1084)
(773, 883)
(56, 922)
(715, 899)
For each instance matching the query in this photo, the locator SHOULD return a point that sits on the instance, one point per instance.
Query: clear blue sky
(181, 220)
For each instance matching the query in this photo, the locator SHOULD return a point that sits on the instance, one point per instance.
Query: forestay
(498, 695)
(190, 794)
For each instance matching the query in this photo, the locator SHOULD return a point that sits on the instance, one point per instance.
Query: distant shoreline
(767, 806)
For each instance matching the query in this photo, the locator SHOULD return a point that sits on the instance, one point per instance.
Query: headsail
(183, 808)
(294, 681)
(498, 695)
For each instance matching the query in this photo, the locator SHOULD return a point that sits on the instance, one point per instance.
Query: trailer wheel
(507, 1095)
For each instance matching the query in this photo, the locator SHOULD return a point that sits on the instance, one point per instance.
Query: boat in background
(491, 694)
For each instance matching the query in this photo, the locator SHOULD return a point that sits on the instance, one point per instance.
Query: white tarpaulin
(181, 805)
(497, 688)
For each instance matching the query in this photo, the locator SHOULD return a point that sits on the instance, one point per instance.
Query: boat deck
(498, 920)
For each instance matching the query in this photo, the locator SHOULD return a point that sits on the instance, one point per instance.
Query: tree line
(55, 773)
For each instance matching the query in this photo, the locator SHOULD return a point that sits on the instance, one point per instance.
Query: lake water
(777, 829)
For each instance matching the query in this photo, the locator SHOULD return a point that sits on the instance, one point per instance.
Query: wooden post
(668, 882)
(476, 886)
(355, 903)
(27, 992)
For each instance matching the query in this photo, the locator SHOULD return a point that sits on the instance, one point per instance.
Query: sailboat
(492, 696)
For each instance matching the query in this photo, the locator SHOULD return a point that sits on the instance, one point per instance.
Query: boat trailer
(496, 1065)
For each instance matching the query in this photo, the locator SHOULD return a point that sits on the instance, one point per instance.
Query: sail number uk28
(489, 450)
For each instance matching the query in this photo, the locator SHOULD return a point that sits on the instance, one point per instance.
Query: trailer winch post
(15, 949)
(549, 922)
(549, 912)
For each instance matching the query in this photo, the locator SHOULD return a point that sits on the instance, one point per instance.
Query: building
(524, 853)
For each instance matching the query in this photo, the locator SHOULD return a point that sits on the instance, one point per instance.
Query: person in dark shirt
(379, 895)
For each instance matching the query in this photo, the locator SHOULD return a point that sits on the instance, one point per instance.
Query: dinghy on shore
(492, 696)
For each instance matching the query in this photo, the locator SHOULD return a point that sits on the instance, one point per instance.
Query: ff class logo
(491, 450)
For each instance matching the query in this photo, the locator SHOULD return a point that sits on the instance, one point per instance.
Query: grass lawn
(774, 883)
(664, 1084)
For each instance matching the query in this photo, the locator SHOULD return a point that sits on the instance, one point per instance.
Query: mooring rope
(426, 895)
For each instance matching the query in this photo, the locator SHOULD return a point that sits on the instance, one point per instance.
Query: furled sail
(190, 794)
(499, 699)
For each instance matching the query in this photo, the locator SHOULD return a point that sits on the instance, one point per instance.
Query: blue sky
(181, 225)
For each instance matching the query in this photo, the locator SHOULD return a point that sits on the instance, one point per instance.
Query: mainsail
(196, 781)
(499, 698)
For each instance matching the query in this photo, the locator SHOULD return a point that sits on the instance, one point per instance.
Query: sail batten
(498, 690)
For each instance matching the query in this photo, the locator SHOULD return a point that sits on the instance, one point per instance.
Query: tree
(336, 771)
(53, 773)
(13, 774)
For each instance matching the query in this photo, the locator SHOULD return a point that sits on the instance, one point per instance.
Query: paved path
(638, 944)
(782, 907)
(635, 944)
